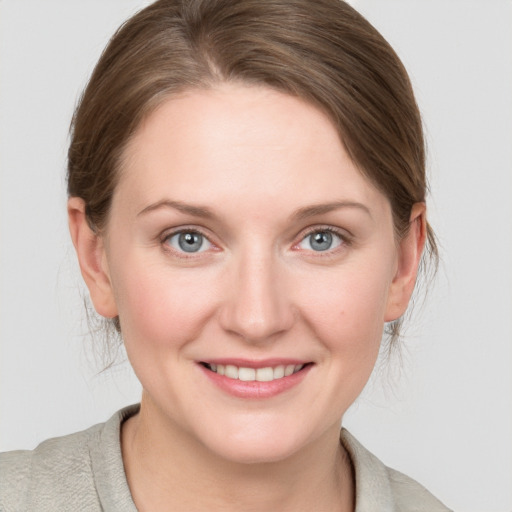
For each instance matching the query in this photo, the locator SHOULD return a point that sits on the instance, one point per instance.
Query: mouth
(247, 374)
(256, 380)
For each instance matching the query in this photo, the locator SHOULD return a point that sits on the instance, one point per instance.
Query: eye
(188, 241)
(321, 240)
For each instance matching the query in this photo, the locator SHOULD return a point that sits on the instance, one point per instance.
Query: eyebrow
(195, 211)
(300, 214)
(323, 208)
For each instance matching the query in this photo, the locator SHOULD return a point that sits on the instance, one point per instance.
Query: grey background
(442, 413)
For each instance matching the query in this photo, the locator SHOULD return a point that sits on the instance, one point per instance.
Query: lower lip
(256, 389)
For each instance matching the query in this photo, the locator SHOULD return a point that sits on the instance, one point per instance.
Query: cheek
(159, 307)
(348, 306)
(348, 319)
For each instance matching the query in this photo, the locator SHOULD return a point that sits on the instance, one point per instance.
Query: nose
(258, 307)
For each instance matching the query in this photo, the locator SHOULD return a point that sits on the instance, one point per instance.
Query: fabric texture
(84, 472)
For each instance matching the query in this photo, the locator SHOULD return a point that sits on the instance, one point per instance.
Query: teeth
(231, 371)
(261, 374)
(247, 374)
(279, 372)
(289, 370)
(264, 374)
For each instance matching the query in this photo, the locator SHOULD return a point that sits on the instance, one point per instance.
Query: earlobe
(409, 255)
(91, 255)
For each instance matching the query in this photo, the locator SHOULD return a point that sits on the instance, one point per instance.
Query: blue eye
(321, 240)
(189, 241)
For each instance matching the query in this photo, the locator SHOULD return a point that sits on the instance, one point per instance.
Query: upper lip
(252, 363)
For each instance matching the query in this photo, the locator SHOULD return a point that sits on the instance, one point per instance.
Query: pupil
(321, 241)
(190, 242)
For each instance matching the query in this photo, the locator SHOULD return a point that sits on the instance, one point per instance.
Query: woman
(247, 202)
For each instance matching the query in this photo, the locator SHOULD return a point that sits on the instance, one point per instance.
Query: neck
(168, 470)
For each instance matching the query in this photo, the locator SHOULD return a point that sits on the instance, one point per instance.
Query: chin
(256, 444)
(255, 453)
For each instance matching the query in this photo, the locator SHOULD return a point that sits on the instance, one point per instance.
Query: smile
(255, 380)
(245, 374)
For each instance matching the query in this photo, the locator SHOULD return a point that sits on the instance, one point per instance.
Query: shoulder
(61, 473)
(50, 475)
(15, 470)
(379, 487)
(411, 496)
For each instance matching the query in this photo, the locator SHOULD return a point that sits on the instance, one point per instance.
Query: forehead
(218, 144)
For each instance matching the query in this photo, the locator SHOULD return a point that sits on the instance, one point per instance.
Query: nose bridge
(258, 306)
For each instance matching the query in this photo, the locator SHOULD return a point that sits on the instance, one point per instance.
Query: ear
(410, 250)
(90, 250)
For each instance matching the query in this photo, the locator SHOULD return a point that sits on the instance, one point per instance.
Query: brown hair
(321, 51)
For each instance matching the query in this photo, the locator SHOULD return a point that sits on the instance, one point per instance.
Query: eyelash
(183, 254)
(346, 240)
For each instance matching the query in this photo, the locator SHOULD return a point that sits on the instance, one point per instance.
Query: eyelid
(169, 233)
(344, 235)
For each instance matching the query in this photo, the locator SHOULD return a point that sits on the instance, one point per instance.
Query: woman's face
(243, 241)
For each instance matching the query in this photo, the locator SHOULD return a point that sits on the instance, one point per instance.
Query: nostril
(257, 307)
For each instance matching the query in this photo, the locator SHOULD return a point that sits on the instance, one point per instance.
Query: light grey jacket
(84, 472)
